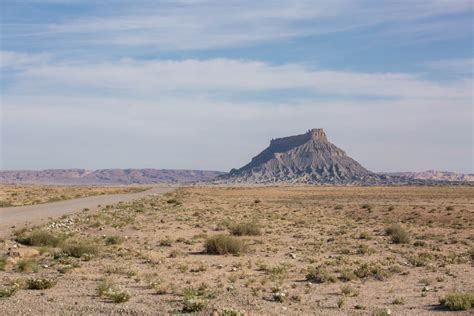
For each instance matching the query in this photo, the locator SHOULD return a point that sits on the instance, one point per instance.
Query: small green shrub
(118, 295)
(347, 290)
(38, 237)
(224, 244)
(382, 312)
(80, 248)
(420, 259)
(113, 240)
(5, 204)
(173, 201)
(340, 302)
(3, 263)
(103, 287)
(277, 272)
(40, 284)
(27, 265)
(458, 301)
(398, 233)
(166, 242)
(347, 275)
(193, 303)
(8, 291)
(245, 229)
(363, 249)
(371, 270)
(319, 275)
(106, 288)
(279, 294)
(398, 301)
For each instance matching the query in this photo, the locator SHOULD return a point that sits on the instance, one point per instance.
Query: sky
(196, 84)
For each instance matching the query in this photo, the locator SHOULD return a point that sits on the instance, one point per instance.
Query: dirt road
(37, 214)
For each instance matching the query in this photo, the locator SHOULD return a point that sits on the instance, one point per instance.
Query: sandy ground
(37, 214)
(153, 250)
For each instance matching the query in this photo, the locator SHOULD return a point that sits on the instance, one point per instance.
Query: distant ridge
(434, 175)
(106, 176)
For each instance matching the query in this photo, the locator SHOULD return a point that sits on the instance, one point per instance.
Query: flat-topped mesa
(304, 158)
(317, 134)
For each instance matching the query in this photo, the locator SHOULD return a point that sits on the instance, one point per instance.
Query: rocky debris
(64, 223)
(106, 176)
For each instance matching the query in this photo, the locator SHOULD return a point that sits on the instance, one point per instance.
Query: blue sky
(206, 84)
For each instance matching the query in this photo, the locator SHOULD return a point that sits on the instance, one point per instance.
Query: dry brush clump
(38, 237)
(27, 265)
(8, 290)
(398, 234)
(108, 289)
(80, 248)
(40, 283)
(320, 275)
(222, 244)
(245, 229)
(458, 301)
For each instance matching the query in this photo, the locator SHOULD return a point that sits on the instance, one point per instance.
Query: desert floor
(292, 250)
(20, 195)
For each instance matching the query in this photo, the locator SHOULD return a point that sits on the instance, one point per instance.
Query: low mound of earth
(106, 176)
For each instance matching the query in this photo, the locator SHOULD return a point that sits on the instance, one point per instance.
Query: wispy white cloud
(457, 66)
(216, 24)
(16, 60)
(152, 77)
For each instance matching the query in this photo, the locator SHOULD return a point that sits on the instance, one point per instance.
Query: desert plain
(255, 250)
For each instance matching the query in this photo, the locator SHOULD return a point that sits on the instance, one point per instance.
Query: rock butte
(305, 158)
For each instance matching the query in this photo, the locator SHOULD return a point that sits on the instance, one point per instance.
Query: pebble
(292, 255)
